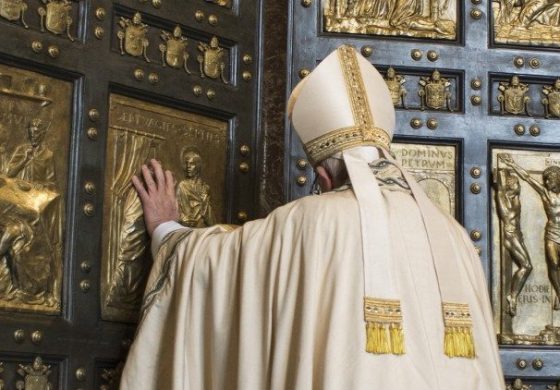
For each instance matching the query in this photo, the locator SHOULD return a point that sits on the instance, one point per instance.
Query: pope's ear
(325, 179)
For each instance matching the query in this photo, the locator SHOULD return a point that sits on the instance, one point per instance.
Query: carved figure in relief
(56, 17)
(13, 10)
(30, 225)
(36, 376)
(34, 161)
(390, 17)
(513, 97)
(193, 194)
(434, 92)
(549, 191)
(112, 377)
(551, 99)
(174, 50)
(509, 211)
(395, 82)
(211, 61)
(132, 37)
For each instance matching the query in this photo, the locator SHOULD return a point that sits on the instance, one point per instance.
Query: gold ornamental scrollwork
(211, 60)
(553, 387)
(132, 37)
(551, 100)
(14, 10)
(34, 116)
(396, 82)
(111, 377)
(513, 97)
(174, 50)
(194, 148)
(435, 19)
(435, 92)
(2, 383)
(56, 17)
(35, 376)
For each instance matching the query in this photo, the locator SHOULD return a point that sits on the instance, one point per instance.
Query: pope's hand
(157, 194)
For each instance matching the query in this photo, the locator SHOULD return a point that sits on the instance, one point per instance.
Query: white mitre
(339, 107)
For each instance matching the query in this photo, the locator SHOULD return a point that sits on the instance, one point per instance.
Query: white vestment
(278, 304)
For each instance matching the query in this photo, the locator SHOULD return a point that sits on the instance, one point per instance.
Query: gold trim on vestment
(338, 140)
(384, 326)
(459, 339)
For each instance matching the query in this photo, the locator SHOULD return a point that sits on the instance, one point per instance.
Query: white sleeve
(162, 230)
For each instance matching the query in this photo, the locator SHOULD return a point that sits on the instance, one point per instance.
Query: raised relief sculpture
(509, 211)
(193, 194)
(56, 17)
(434, 92)
(549, 191)
(434, 19)
(518, 385)
(30, 227)
(138, 132)
(535, 22)
(513, 97)
(221, 3)
(3, 151)
(551, 99)
(174, 50)
(211, 61)
(13, 10)
(395, 82)
(132, 37)
(2, 384)
(553, 387)
(35, 376)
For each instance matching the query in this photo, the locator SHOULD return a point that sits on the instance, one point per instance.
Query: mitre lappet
(343, 109)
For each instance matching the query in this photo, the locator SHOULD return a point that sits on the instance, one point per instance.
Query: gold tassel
(458, 338)
(384, 331)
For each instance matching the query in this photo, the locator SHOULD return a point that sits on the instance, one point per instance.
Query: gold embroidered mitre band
(364, 132)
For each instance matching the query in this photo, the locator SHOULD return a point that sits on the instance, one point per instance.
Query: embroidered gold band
(338, 140)
(459, 340)
(384, 328)
(355, 86)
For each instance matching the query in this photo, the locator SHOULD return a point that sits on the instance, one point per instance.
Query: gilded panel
(526, 246)
(433, 19)
(35, 120)
(435, 168)
(531, 23)
(194, 148)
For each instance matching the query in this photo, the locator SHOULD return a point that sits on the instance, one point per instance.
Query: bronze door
(90, 90)
(478, 102)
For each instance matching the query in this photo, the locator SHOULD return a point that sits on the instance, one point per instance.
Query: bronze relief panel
(35, 120)
(526, 246)
(527, 23)
(522, 95)
(173, 47)
(435, 168)
(432, 19)
(431, 90)
(58, 17)
(194, 148)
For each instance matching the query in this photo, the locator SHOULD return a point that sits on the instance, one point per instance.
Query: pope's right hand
(157, 194)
